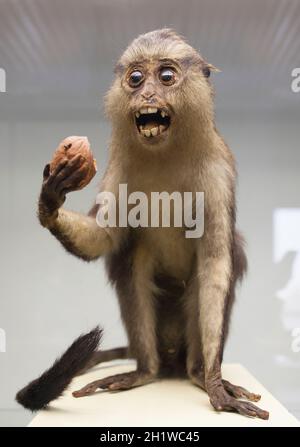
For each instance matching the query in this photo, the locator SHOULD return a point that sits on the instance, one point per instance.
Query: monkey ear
(208, 68)
(46, 171)
(213, 68)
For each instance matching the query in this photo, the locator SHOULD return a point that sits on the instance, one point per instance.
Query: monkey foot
(123, 381)
(240, 392)
(222, 401)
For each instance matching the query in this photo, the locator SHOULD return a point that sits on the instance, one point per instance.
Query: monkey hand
(65, 178)
(221, 400)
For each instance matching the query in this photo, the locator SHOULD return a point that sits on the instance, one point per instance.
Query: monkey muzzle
(152, 122)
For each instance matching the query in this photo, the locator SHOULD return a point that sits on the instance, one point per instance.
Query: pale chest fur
(171, 251)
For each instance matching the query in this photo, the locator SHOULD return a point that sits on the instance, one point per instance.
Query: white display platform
(172, 403)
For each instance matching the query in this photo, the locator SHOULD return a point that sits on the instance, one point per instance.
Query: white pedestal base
(171, 403)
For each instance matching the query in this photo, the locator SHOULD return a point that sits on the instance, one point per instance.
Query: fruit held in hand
(69, 148)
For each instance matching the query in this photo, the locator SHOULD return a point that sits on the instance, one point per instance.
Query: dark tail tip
(50, 385)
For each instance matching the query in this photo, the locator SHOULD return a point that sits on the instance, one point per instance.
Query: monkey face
(161, 91)
(150, 87)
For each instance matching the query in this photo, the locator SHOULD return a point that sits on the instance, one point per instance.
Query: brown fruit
(70, 147)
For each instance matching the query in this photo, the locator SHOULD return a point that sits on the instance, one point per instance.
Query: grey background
(59, 58)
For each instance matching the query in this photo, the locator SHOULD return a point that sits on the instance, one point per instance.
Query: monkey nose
(148, 95)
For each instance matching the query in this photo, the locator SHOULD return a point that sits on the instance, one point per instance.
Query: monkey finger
(249, 409)
(66, 171)
(241, 410)
(70, 183)
(53, 175)
(242, 407)
(240, 392)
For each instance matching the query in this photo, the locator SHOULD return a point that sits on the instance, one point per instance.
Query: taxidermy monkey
(175, 294)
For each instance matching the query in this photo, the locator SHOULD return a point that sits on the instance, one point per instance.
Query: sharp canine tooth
(137, 114)
(152, 109)
(147, 133)
(154, 131)
(163, 114)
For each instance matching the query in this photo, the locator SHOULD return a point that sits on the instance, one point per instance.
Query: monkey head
(161, 90)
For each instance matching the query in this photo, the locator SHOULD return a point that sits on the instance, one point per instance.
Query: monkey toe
(117, 382)
(222, 401)
(239, 392)
(128, 380)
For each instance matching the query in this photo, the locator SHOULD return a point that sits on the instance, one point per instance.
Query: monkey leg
(137, 304)
(117, 382)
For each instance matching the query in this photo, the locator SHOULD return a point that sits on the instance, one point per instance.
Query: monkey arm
(216, 287)
(80, 235)
(214, 272)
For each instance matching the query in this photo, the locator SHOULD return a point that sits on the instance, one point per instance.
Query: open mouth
(152, 121)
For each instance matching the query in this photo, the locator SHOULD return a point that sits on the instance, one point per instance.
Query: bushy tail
(50, 385)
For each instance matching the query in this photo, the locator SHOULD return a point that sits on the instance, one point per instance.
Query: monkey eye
(167, 76)
(135, 78)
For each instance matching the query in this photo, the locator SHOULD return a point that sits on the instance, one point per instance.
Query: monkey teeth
(152, 132)
(148, 110)
(151, 121)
